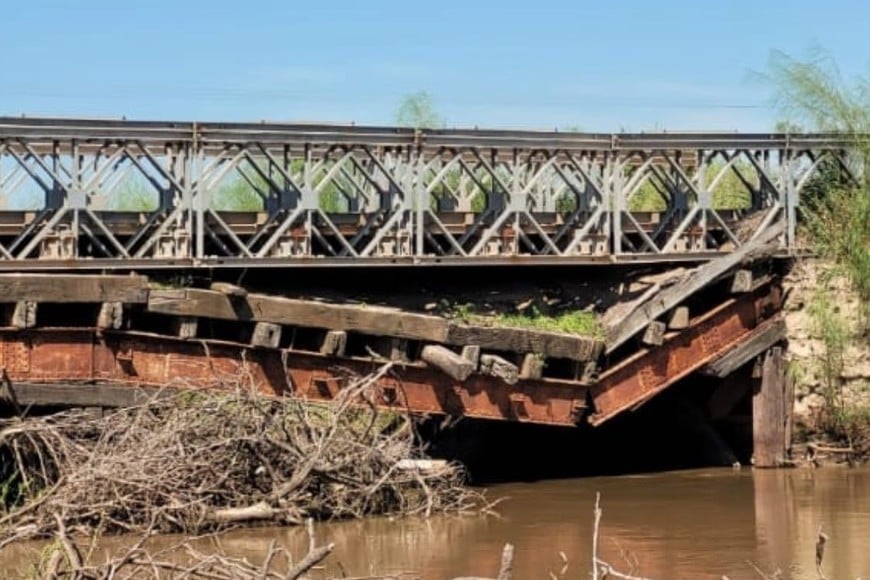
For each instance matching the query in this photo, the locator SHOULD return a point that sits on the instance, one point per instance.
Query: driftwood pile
(198, 462)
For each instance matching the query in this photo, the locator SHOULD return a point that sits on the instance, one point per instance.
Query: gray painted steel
(117, 194)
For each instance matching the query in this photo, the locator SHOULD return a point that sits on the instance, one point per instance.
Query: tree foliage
(836, 202)
(418, 111)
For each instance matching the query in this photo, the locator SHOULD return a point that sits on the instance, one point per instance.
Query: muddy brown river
(691, 524)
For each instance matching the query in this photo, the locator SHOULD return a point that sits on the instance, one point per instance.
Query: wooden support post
(111, 315)
(679, 318)
(471, 352)
(184, 326)
(654, 334)
(23, 314)
(742, 282)
(266, 334)
(532, 366)
(447, 361)
(496, 366)
(788, 407)
(769, 413)
(334, 343)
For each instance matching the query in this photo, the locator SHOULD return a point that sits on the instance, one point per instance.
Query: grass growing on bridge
(578, 322)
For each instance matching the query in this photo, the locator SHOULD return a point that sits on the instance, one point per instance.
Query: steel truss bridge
(120, 194)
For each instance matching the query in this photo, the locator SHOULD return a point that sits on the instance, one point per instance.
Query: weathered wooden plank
(447, 361)
(334, 343)
(266, 334)
(759, 340)
(73, 288)
(788, 408)
(546, 344)
(111, 315)
(768, 413)
(668, 298)
(679, 318)
(742, 282)
(471, 352)
(374, 320)
(654, 335)
(185, 326)
(77, 395)
(532, 366)
(23, 314)
(496, 366)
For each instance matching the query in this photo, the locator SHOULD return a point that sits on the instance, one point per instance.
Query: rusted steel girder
(87, 355)
(140, 359)
(651, 371)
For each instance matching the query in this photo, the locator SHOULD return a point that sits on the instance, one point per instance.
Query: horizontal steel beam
(269, 132)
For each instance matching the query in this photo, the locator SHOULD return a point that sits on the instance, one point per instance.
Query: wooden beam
(374, 320)
(742, 282)
(184, 326)
(672, 296)
(471, 352)
(769, 414)
(447, 361)
(522, 340)
(654, 335)
(77, 395)
(111, 315)
(23, 314)
(73, 288)
(266, 334)
(759, 340)
(679, 318)
(496, 366)
(532, 366)
(334, 343)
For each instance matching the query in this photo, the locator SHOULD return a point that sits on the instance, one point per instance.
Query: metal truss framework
(122, 194)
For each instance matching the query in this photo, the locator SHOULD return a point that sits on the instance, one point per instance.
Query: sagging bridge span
(157, 198)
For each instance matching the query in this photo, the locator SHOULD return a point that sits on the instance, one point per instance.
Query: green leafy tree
(418, 111)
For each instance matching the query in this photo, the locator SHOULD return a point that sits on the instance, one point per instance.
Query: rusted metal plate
(142, 359)
(47, 354)
(148, 360)
(651, 371)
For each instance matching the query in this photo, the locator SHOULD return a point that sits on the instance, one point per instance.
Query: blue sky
(602, 66)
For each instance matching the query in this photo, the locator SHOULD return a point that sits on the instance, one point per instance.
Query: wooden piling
(769, 415)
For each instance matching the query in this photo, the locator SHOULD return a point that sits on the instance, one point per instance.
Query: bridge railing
(120, 193)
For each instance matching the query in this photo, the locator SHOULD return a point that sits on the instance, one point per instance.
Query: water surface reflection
(693, 524)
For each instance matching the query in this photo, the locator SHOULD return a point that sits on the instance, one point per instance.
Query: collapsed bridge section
(98, 340)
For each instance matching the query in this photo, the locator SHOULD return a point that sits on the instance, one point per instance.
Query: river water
(691, 524)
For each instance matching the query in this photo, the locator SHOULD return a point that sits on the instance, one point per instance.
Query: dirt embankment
(829, 357)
